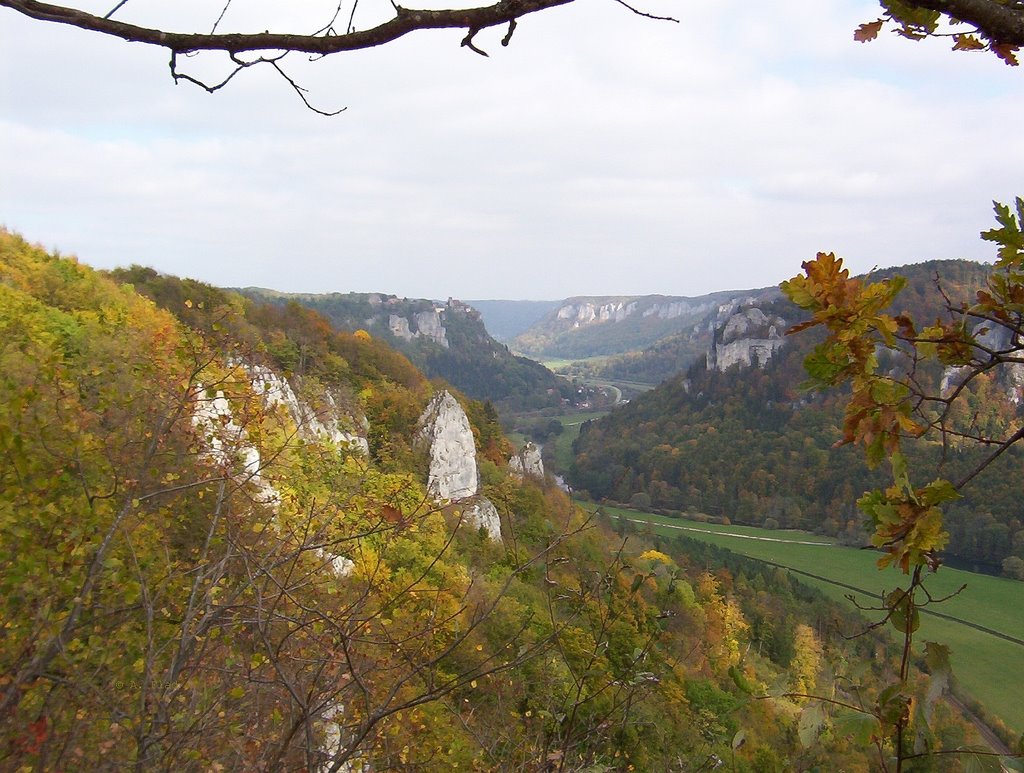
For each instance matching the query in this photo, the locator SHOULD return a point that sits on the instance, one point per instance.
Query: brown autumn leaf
(967, 43)
(1006, 52)
(867, 31)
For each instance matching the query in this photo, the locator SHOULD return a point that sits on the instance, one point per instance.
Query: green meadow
(988, 667)
(563, 443)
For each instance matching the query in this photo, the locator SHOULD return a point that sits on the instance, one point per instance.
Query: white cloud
(599, 153)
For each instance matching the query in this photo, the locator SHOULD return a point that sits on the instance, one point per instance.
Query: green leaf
(893, 704)
(809, 726)
(739, 739)
(859, 725)
(905, 617)
(978, 759)
(900, 475)
(824, 365)
(936, 657)
(779, 687)
(740, 680)
(912, 16)
(937, 492)
(796, 290)
(1010, 237)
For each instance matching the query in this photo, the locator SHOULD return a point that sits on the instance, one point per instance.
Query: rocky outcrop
(445, 428)
(582, 326)
(587, 313)
(748, 338)
(452, 474)
(421, 324)
(480, 513)
(674, 309)
(527, 462)
(329, 422)
(584, 312)
(228, 443)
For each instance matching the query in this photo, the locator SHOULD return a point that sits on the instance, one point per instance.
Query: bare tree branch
(406, 20)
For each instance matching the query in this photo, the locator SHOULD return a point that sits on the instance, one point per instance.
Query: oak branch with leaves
(913, 396)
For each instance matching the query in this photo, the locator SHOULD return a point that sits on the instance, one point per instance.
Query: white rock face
(481, 513)
(453, 475)
(399, 327)
(227, 442)
(429, 325)
(445, 427)
(586, 313)
(745, 352)
(527, 462)
(312, 425)
(748, 338)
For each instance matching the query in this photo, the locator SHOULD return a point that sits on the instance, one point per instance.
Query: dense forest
(192, 579)
(752, 445)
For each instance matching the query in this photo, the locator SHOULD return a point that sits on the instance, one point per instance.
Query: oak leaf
(1006, 52)
(967, 43)
(868, 31)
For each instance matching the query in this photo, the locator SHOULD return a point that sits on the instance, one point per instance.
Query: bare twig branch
(638, 12)
(115, 9)
(467, 42)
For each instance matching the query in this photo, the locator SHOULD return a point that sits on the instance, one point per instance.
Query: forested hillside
(218, 551)
(749, 444)
(447, 341)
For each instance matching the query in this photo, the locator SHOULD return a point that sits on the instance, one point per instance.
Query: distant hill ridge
(446, 339)
(591, 326)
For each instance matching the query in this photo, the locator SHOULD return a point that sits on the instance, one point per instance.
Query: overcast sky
(599, 154)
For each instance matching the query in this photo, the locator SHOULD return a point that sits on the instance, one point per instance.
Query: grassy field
(563, 443)
(988, 667)
(556, 364)
(629, 388)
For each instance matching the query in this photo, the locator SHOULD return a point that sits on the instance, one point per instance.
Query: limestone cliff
(228, 444)
(452, 474)
(608, 325)
(748, 337)
(428, 325)
(527, 462)
(325, 420)
(445, 428)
